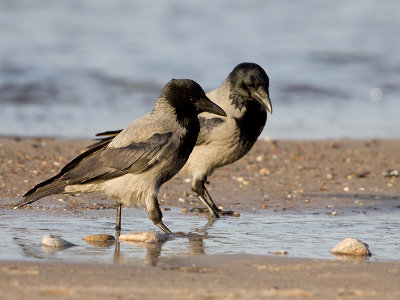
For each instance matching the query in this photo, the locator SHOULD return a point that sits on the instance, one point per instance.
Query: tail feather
(46, 188)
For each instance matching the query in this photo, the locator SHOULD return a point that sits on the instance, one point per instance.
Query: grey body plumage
(132, 165)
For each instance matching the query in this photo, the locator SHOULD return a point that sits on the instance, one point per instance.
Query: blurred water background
(73, 68)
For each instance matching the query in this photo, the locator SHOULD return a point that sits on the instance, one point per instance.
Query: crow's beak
(206, 105)
(262, 96)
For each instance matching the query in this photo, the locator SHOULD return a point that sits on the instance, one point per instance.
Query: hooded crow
(244, 96)
(133, 165)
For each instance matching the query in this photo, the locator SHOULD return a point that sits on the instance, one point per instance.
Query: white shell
(50, 240)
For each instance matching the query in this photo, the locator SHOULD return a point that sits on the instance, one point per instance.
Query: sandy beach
(332, 177)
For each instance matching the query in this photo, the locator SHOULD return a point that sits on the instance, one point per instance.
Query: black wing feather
(108, 137)
(114, 162)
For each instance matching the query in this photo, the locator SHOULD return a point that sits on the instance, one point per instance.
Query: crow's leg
(209, 199)
(118, 222)
(220, 212)
(155, 215)
(201, 192)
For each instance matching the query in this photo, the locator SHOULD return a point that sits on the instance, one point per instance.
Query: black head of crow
(249, 82)
(178, 91)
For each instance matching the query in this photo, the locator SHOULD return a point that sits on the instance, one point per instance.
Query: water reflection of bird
(151, 150)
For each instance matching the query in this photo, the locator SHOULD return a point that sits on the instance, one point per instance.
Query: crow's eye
(251, 84)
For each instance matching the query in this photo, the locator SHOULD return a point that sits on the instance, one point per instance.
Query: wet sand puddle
(305, 235)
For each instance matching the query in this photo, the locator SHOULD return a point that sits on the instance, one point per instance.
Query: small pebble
(240, 179)
(236, 214)
(185, 210)
(181, 200)
(363, 174)
(391, 173)
(201, 210)
(351, 246)
(282, 252)
(259, 158)
(346, 189)
(55, 241)
(99, 238)
(144, 237)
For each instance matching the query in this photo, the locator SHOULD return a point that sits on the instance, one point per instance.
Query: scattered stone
(100, 238)
(181, 200)
(351, 246)
(199, 210)
(50, 240)
(346, 189)
(296, 192)
(185, 210)
(363, 174)
(144, 237)
(329, 176)
(229, 213)
(391, 173)
(281, 252)
(259, 158)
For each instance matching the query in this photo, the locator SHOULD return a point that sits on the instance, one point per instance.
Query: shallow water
(304, 235)
(75, 68)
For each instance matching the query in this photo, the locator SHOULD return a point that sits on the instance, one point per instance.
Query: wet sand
(204, 277)
(330, 177)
